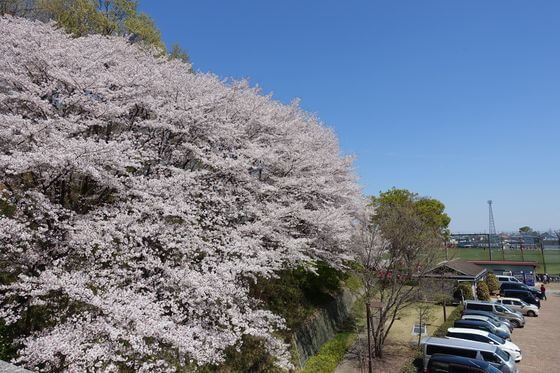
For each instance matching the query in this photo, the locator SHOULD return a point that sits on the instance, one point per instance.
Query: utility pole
(542, 253)
(491, 227)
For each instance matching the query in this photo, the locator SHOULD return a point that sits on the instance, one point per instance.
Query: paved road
(540, 339)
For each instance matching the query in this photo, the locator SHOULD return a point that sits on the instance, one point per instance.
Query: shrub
(492, 283)
(455, 315)
(467, 291)
(482, 291)
(414, 363)
(330, 355)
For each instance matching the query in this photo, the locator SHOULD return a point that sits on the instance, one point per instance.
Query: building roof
(505, 262)
(465, 267)
(458, 269)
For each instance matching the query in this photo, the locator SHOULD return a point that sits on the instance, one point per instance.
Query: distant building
(458, 270)
(550, 241)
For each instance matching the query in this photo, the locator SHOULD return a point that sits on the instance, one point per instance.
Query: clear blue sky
(458, 100)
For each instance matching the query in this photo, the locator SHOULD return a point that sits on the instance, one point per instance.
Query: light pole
(542, 253)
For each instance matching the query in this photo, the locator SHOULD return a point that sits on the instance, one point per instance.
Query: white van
(486, 337)
(502, 279)
(471, 349)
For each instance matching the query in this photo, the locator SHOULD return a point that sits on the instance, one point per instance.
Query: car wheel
(531, 313)
(515, 323)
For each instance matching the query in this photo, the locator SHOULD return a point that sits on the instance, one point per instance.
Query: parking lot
(540, 339)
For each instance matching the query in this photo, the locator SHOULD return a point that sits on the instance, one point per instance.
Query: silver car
(519, 305)
(514, 317)
(498, 325)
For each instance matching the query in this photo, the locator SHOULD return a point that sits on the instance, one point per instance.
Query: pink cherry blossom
(146, 199)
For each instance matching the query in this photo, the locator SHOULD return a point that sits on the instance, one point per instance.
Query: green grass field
(552, 257)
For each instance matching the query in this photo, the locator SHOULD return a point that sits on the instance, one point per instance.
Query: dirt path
(395, 355)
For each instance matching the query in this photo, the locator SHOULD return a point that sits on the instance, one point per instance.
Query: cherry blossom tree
(140, 201)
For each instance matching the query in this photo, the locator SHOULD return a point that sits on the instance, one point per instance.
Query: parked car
(503, 278)
(516, 286)
(497, 324)
(482, 325)
(486, 337)
(491, 315)
(469, 349)
(524, 295)
(519, 305)
(515, 318)
(441, 363)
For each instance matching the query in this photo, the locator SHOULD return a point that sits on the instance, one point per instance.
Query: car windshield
(496, 339)
(504, 355)
(493, 322)
(503, 309)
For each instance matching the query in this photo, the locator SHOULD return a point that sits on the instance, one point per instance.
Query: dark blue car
(440, 363)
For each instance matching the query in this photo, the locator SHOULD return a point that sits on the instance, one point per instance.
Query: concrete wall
(322, 326)
(9, 368)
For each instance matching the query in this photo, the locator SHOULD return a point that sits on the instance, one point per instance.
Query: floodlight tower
(491, 227)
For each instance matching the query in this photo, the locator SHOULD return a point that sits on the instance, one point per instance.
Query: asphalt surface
(539, 340)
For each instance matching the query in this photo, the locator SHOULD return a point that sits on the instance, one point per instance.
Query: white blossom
(145, 199)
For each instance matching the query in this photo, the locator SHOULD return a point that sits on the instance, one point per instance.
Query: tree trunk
(368, 317)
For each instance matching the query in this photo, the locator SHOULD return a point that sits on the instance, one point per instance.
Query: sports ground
(551, 257)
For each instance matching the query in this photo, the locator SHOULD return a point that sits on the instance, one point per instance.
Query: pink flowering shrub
(141, 200)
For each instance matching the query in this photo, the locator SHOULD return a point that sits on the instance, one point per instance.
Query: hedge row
(455, 315)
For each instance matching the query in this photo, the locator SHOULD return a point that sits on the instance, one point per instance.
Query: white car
(502, 278)
(498, 325)
(486, 337)
(519, 305)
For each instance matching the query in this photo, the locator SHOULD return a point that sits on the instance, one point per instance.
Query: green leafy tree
(429, 210)
(178, 53)
(393, 247)
(466, 290)
(77, 17)
(525, 229)
(492, 283)
(106, 17)
(482, 291)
